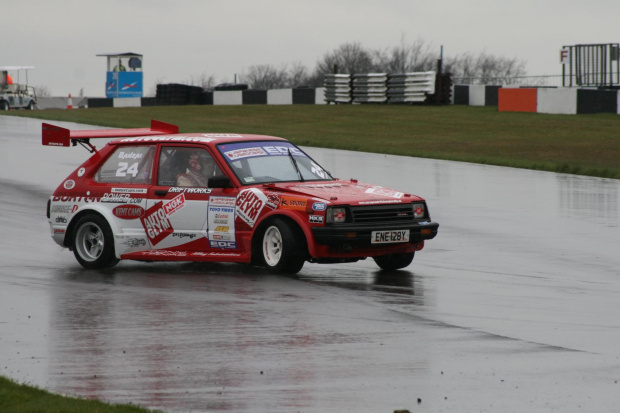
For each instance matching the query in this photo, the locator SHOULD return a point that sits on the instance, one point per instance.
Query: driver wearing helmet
(200, 168)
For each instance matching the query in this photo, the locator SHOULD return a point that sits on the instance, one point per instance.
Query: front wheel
(93, 243)
(283, 248)
(30, 106)
(4, 105)
(391, 262)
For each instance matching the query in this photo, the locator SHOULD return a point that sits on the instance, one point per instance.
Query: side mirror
(219, 182)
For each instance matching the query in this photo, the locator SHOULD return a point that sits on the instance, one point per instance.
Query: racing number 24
(124, 168)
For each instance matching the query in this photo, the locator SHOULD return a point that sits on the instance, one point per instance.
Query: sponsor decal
(129, 190)
(187, 190)
(250, 203)
(135, 242)
(81, 172)
(60, 219)
(129, 155)
(223, 244)
(221, 222)
(298, 204)
(174, 204)
(69, 184)
(380, 191)
(128, 211)
(156, 223)
(273, 201)
(222, 201)
(59, 231)
(382, 201)
(315, 219)
(109, 198)
(236, 151)
(283, 150)
(322, 186)
(184, 235)
(222, 135)
(245, 153)
(319, 206)
(168, 139)
(63, 209)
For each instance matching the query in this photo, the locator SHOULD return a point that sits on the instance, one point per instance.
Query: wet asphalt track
(515, 306)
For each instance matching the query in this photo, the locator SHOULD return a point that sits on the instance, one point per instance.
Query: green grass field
(577, 144)
(580, 144)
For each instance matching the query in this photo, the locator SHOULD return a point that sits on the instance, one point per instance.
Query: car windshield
(271, 161)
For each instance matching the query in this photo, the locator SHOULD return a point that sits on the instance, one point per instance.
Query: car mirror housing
(219, 182)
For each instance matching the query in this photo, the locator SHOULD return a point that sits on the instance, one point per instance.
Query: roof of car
(210, 138)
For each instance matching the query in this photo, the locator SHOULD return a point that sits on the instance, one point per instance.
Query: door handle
(161, 192)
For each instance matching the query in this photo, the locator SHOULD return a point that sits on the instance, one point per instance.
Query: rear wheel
(4, 105)
(391, 262)
(93, 243)
(283, 248)
(30, 105)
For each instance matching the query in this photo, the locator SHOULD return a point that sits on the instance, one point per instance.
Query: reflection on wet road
(513, 307)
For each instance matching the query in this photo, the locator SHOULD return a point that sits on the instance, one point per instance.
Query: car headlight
(419, 210)
(336, 215)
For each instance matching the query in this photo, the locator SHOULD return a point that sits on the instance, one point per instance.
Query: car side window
(128, 165)
(186, 166)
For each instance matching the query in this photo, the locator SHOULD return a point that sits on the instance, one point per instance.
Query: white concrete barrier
(562, 101)
(280, 97)
(477, 95)
(228, 97)
(127, 102)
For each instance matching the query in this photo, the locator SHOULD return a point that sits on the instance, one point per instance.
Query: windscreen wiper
(290, 155)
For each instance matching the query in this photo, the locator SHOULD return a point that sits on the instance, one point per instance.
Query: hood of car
(344, 192)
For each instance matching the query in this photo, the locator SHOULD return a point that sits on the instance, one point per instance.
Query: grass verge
(20, 398)
(579, 144)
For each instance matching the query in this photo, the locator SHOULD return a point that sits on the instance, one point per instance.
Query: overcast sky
(184, 39)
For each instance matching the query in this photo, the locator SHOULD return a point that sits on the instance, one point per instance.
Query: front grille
(395, 213)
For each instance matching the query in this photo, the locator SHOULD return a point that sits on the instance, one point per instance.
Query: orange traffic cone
(70, 102)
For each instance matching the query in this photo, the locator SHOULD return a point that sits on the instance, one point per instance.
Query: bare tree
(203, 81)
(348, 58)
(485, 68)
(266, 77)
(42, 91)
(415, 57)
(298, 75)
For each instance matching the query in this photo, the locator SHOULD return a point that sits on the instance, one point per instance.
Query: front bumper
(359, 236)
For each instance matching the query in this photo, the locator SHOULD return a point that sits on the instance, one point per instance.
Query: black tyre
(391, 262)
(30, 106)
(93, 243)
(283, 248)
(4, 105)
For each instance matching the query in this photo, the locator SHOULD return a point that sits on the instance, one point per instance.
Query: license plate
(388, 237)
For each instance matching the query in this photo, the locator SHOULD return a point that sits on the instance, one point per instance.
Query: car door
(183, 213)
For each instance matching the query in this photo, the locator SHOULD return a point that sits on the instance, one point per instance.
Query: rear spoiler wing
(56, 136)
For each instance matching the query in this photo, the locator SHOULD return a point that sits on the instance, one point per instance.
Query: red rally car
(157, 195)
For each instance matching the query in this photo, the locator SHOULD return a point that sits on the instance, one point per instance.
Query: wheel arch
(296, 223)
(102, 212)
